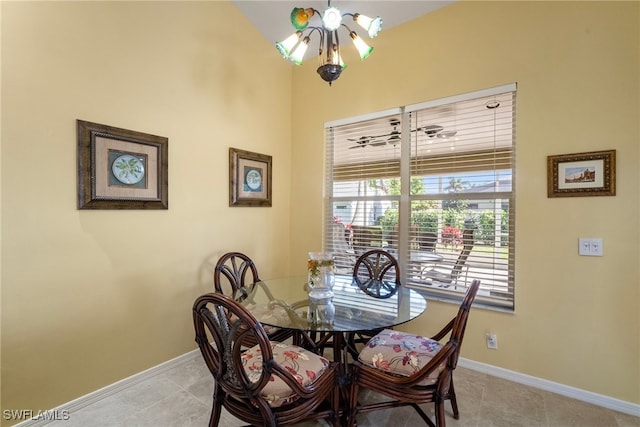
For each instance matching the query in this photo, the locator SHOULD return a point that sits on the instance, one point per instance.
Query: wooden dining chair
(411, 370)
(236, 275)
(269, 384)
(377, 273)
(445, 279)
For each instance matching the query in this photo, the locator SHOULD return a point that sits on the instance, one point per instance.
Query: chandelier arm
(348, 29)
(312, 29)
(321, 31)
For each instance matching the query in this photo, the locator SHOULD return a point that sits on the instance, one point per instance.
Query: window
(433, 184)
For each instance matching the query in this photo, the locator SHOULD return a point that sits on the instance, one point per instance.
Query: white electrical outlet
(590, 246)
(492, 341)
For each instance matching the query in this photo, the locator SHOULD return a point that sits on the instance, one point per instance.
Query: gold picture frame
(249, 178)
(582, 174)
(120, 168)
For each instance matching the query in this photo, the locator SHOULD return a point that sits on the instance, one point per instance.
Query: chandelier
(294, 47)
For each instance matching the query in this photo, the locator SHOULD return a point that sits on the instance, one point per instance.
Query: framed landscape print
(121, 169)
(249, 178)
(582, 174)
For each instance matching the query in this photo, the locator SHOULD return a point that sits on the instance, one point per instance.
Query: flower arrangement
(319, 265)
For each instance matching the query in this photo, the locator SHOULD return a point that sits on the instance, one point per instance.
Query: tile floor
(181, 396)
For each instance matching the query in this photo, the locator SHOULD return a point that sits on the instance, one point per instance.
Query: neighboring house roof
(499, 185)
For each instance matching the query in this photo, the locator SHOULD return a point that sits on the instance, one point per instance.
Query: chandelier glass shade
(295, 46)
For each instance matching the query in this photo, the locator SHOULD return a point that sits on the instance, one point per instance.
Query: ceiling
(271, 18)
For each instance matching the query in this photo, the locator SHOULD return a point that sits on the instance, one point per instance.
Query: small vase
(321, 312)
(321, 275)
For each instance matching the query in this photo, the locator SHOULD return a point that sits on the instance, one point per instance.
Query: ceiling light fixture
(294, 47)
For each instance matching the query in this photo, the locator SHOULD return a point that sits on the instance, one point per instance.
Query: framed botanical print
(249, 178)
(120, 168)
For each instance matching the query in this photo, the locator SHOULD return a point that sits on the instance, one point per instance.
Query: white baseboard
(100, 394)
(564, 390)
(561, 389)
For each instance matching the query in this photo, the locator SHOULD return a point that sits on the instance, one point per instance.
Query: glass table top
(284, 303)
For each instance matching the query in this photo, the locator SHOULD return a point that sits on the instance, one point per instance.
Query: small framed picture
(249, 178)
(582, 174)
(121, 169)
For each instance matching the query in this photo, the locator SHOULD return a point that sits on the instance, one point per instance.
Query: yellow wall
(577, 69)
(91, 297)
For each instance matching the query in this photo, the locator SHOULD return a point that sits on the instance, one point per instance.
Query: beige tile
(203, 390)
(469, 386)
(396, 417)
(182, 396)
(563, 411)
(180, 409)
(507, 400)
(503, 416)
(111, 410)
(189, 372)
(626, 420)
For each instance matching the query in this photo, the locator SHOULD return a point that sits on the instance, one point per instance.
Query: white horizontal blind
(460, 165)
(462, 156)
(363, 160)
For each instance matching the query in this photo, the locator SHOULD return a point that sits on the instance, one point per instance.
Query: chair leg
(440, 417)
(214, 420)
(454, 402)
(423, 415)
(353, 401)
(335, 402)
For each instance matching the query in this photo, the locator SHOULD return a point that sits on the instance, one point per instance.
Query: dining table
(425, 257)
(356, 305)
(424, 261)
(285, 303)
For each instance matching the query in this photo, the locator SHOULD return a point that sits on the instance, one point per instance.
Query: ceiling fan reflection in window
(393, 137)
(436, 131)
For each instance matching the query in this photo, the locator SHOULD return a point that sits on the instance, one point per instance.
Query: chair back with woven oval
(377, 273)
(236, 271)
(269, 384)
(236, 276)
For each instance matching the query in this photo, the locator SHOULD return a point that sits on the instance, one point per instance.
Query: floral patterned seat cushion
(304, 365)
(401, 354)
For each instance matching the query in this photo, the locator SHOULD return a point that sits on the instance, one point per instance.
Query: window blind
(435, 177)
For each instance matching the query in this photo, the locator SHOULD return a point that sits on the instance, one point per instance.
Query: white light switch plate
(590, 246)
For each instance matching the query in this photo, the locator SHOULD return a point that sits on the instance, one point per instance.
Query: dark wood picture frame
(249, 178)
(582, 174)
(120, 168)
